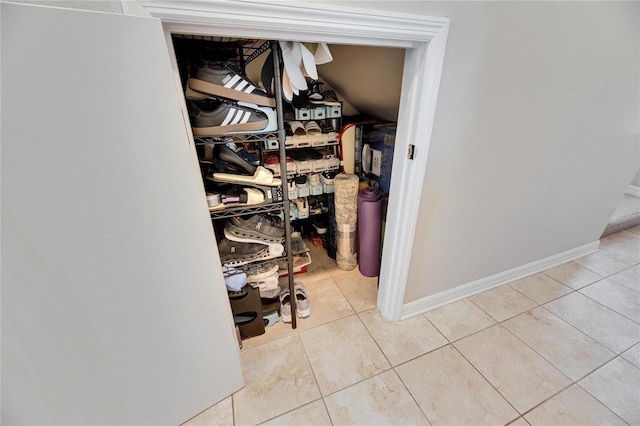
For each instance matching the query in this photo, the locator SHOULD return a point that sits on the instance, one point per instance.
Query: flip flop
(261, 176)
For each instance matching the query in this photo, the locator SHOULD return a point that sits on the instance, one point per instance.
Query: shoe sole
(264, 274)
(221, 91)
(237, 260)
(245, 235)
(303, 314)
(275, 249)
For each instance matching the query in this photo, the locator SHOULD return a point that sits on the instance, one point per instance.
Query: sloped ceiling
(369, 79)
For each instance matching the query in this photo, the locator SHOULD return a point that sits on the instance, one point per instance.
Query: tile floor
(558, 347)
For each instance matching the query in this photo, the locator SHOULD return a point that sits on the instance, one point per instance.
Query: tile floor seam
(356, 383)
(581, 332)
(374, 339)
(607, 307)
(590, 337)
(324, 403)
(411, 393)
(486, 379)
(597, 399)
(547, 399)
(313, 371)
(551, 362)
(286, 412)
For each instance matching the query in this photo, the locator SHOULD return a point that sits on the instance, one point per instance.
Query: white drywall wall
(113, 309)
(535, 138)
(636, 179)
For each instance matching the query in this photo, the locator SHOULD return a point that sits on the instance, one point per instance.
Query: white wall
(535, 138)
(636, 179)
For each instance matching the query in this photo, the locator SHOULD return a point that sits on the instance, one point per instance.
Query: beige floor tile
(318, 270)
(627, 237)
(573, 406)
(379, 400)
(571, 351)
(314, 413)
(275, 332)
(268, 370)
(620, 251)
(360, 291)
(220, 414)
(635, 230)
(403, 340)
(611, 329)
(342, 353)
(573, 275)
(629, 278)
(540, 288)
(459, 319)
(503, 302)
(522, 376)
(633, 355)
(602, 264)
(451, 392)
(616, 297)
(519, 422)
(616, 386)
(327, 304)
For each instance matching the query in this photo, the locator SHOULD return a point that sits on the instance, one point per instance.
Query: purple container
(369, 230)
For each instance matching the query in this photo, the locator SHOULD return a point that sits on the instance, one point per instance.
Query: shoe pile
(251, 238)
(214, 92)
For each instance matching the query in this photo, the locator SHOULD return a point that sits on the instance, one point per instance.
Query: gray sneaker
(224, 82)
(262, 227)
(226, 117)
(236, 253)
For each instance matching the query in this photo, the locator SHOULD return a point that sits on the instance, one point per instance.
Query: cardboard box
(382, 140)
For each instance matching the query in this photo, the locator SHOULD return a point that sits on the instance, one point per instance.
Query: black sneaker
(237, 253)
(262, 227)
(223, 118)
(225, 82)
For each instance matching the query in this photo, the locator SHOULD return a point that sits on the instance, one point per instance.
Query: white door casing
(424, 39)
(113, 311)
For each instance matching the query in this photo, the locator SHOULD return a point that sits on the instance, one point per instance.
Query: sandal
(312, 128)
(297, 128)
(261, 176)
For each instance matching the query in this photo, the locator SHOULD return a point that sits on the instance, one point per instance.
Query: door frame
(424, 40)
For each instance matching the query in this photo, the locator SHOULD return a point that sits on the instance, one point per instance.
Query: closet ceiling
(367, 79)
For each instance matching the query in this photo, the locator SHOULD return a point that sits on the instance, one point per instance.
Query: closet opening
(331, 129)
(423, 40)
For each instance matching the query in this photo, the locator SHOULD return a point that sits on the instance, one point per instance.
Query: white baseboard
(633, 190)
(465, 290)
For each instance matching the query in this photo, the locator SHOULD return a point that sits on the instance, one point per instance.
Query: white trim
(483, 284)
(296, 21)
(133, 8)
(425, 40)
(633, 190)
